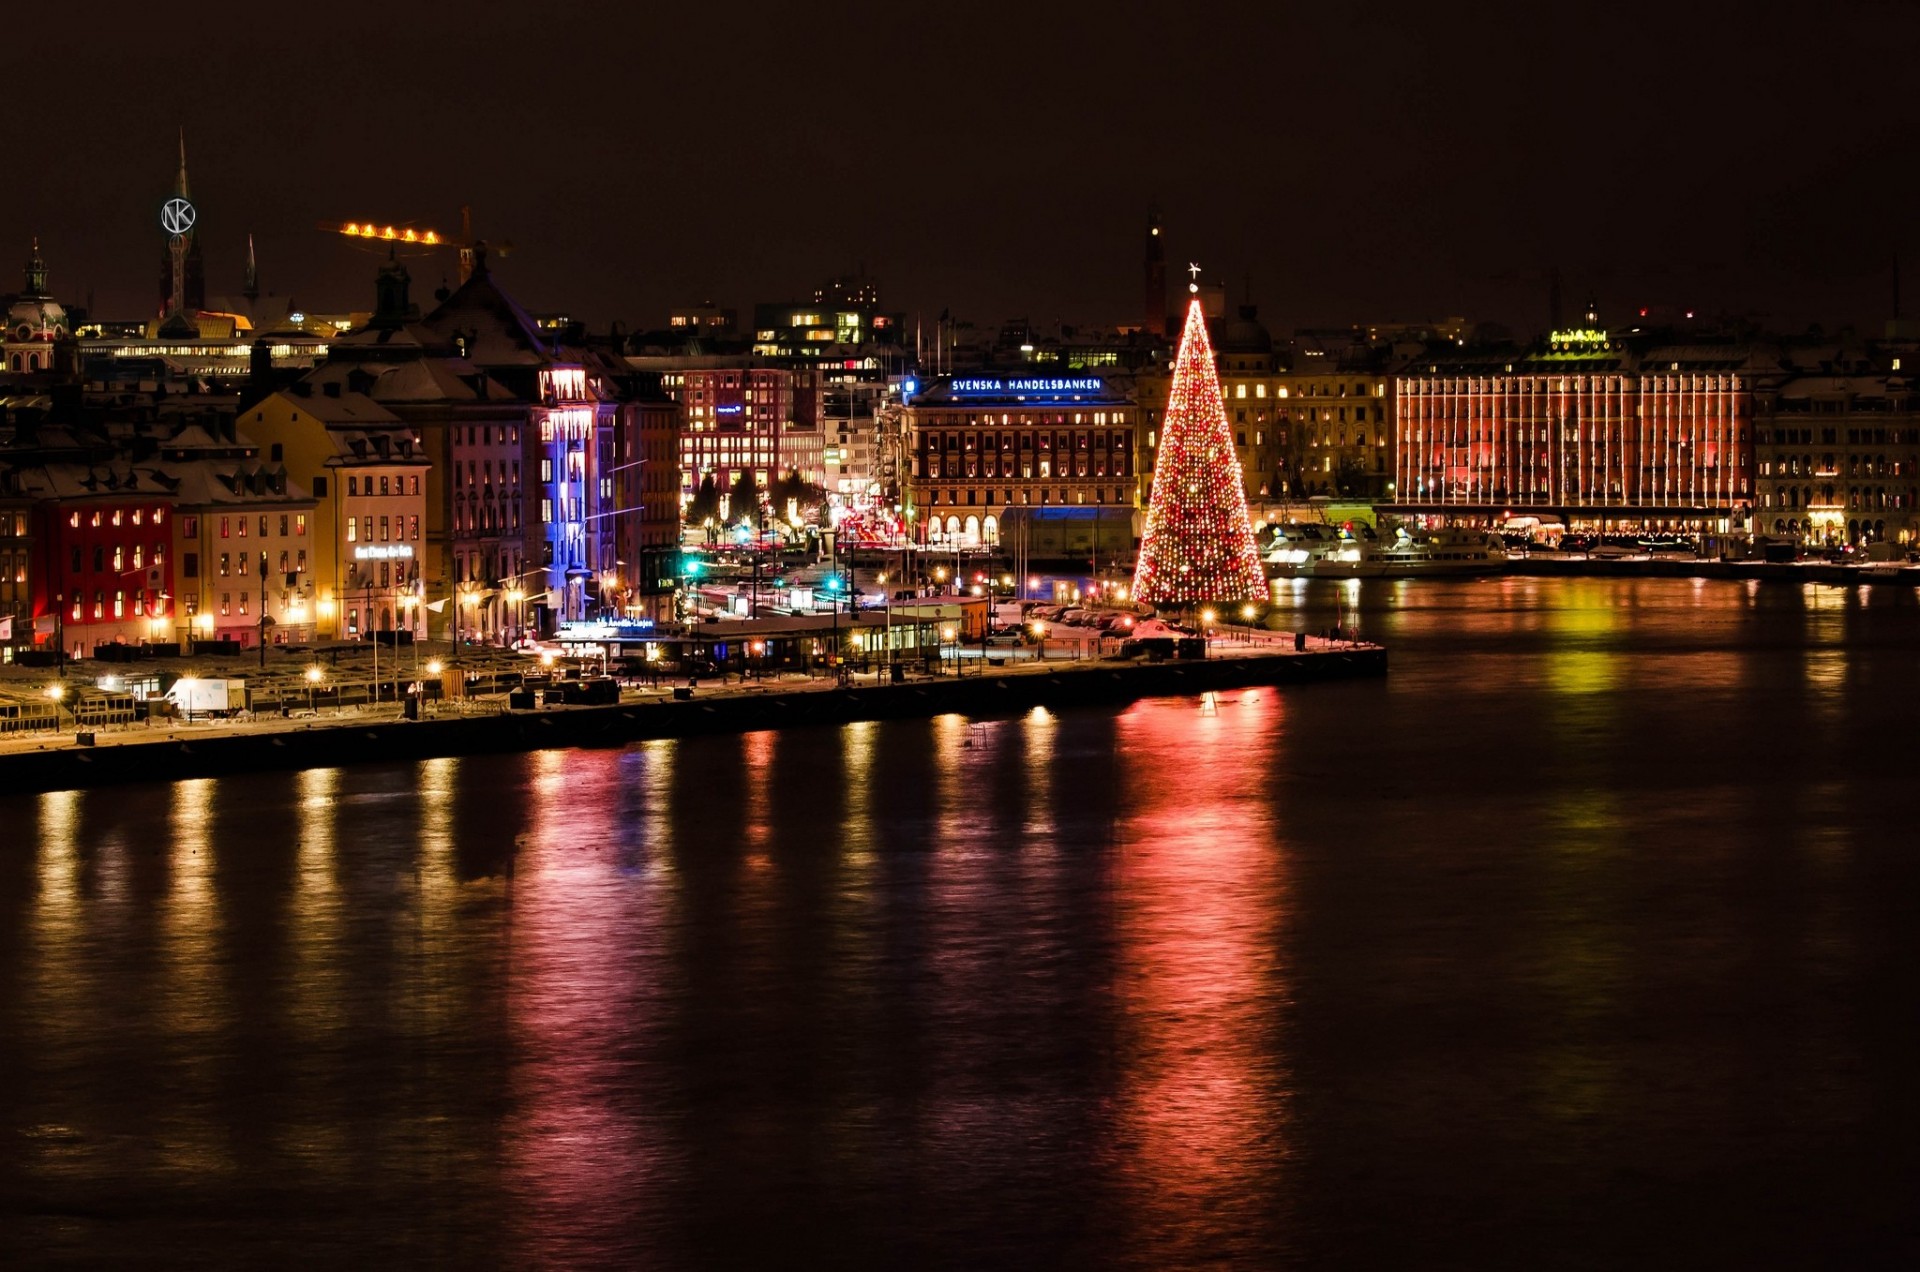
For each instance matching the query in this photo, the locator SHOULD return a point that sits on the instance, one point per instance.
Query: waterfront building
(101, 570)
(1339, 401)
(474, 553)
(646, 502)
(1837, 451)
(243, 542)
(16, 568)
(742, 415)
(982, 447)
(366, 473)
(1602, 432)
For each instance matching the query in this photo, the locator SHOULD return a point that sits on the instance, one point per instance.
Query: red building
(1599, 434)
(742, 415)
(101, 565)
(646, 524)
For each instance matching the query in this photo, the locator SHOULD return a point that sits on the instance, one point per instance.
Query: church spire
(180, 181)
(252, 289)
(36, 271)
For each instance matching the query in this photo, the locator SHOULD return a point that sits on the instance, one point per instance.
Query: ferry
(1452, 551)
(1312, 551)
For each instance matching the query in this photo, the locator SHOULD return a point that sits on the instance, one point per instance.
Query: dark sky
(1356, 161)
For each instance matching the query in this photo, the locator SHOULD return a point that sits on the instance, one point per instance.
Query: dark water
(1586, 939)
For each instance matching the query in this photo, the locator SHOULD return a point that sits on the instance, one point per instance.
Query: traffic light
(691, 567)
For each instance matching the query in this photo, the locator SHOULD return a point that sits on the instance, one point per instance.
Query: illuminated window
(299, 524)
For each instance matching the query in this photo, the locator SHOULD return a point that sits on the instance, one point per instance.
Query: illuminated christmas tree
(1198, 545)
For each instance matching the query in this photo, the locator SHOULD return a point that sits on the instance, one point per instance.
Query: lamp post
(264, 620)
(55, 692)
(313, 680)
(1206, 633)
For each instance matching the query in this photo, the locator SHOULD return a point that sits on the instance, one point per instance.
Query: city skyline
(1337, 168)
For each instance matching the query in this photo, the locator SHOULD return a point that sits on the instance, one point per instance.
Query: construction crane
(410, 239)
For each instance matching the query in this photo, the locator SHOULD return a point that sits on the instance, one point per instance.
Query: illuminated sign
(619, 629)
(1578, 338)
(382, 552)
(735, 409)
(177, 216)
(1037, 384)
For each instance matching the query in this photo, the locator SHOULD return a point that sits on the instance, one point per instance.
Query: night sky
(1356, 162)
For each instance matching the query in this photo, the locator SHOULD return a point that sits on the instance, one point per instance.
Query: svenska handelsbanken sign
(996, 386)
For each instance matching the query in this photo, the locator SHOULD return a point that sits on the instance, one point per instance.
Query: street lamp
(1206, 632)
(313, 680)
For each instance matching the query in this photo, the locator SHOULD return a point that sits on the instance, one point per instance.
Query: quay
(167, 752)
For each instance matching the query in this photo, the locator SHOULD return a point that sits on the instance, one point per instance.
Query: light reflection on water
(1577, 933)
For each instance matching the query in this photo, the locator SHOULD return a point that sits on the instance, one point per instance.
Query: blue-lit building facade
(574, 426)
(989, 450)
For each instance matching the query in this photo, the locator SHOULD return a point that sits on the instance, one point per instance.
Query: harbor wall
(326, 743)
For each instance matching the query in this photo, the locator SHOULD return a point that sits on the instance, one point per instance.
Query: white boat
(1451, 551)
(1311, 551)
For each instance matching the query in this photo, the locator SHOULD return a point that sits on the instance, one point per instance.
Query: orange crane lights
(405, 234)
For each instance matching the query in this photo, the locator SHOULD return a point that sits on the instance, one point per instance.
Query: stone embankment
(142, 753)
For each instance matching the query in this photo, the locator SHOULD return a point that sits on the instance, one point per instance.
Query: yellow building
(367, 475)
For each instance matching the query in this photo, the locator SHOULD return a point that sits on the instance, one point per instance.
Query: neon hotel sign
(1051, 386)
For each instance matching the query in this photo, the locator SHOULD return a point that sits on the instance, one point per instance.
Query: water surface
(1584, 939)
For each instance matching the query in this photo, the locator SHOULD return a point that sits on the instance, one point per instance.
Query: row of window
(118, 516)
(482, 475)
(1857, 466)
(1098, 495)
(1830, 436)
(236, 527)
(141, 605)
(388, 485)
(290, 563)
(121, 553)
(486, 518)
(362, 529)
(1026, 441)
(1874, 497)
(1004, 466)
